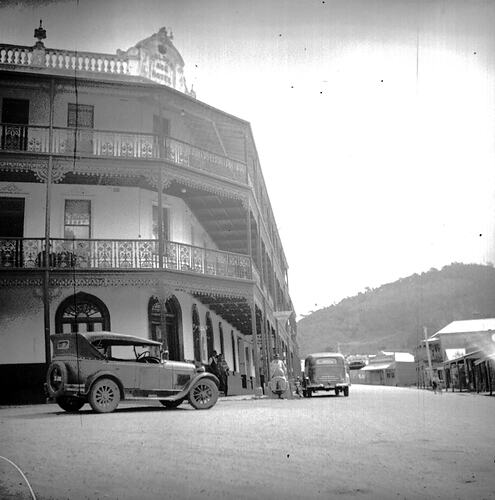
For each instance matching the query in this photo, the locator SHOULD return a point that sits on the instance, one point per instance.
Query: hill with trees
(392, 316)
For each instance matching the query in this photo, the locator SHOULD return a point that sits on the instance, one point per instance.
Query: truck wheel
(337, 391)
(70, 404)
(104, 396)
(346, 391)
(203, 394)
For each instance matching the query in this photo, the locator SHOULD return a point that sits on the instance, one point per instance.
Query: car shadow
(329, 395)
(88, 411)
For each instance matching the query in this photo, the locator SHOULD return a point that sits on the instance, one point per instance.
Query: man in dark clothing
(213, 364)
(223, 373)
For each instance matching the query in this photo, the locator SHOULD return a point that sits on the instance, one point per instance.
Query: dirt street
(381, 442)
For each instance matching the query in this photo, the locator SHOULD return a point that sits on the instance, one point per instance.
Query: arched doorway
(222, 341)
(82, 312)
(196, 333)
(210, 342)
(166, 327)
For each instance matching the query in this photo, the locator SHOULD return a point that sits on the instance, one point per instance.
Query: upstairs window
(161, 126)
(165, 223)
(15, 114)
(77, 219)
(80, 116)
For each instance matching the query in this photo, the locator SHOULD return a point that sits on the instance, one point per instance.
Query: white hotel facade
(126, 204)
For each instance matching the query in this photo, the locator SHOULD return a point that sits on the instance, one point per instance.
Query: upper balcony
(121, 255)
(21, 55)
(82, 142)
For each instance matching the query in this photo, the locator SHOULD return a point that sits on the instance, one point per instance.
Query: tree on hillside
(393, 315)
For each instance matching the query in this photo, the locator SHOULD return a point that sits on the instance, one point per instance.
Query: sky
(374, 120)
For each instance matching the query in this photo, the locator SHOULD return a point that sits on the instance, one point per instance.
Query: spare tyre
(56, 378)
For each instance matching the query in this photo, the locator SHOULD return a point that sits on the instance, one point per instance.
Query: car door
(166, 375)
(148, 377)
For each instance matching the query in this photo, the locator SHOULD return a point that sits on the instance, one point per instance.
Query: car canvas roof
(115, 338)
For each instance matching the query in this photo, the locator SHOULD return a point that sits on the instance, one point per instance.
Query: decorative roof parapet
(155, 59)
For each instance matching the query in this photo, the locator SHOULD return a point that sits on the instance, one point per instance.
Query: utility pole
(430, 369)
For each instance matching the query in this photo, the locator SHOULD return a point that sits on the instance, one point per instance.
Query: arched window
(222, 342)
(166, 327)
(196, 333)
(210, 342)
(234, 358)
(82, 312)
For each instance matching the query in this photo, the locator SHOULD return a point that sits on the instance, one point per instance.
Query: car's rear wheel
(70, 404)
(346, 391)
(56, 378)
(104, 396)
(171, 404)
(203, 394)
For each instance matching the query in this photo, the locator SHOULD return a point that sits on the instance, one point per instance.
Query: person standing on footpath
(213, 364)
(223, 371)
(278, 376)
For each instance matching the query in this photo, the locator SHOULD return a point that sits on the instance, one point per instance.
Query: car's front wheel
(70, 404)
(171, 404)
(104, 396)
(203, 394)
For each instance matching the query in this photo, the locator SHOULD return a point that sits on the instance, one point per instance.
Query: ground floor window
(210, 341)
(165, 326)
(234, 358)
(82, 312)
(196, 333)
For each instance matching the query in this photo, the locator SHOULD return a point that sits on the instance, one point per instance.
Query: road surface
(381, 442)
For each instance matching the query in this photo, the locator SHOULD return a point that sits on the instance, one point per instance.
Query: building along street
(381, 442)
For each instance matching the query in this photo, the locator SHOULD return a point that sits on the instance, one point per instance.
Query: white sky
(378, 151)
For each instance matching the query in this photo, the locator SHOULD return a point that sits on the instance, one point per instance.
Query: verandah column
(160, 218)
(255, 343)
(46, 274)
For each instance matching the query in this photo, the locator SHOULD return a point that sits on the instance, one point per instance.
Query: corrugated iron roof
(468, 325)
(377, 366)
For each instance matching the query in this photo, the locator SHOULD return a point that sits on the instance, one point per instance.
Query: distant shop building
(388, 368)
(423, 374)
(468, 353)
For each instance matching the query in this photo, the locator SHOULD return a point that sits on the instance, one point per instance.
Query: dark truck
(325, 371)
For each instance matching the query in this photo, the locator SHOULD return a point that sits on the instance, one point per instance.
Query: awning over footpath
(378, 366)
(469, 355)
(488, 357)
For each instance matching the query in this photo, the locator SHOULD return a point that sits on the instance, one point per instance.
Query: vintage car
(103, 368)
(325, 371)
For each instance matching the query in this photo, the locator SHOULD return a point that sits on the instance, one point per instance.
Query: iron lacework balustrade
(103, 254)
(119, 145)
